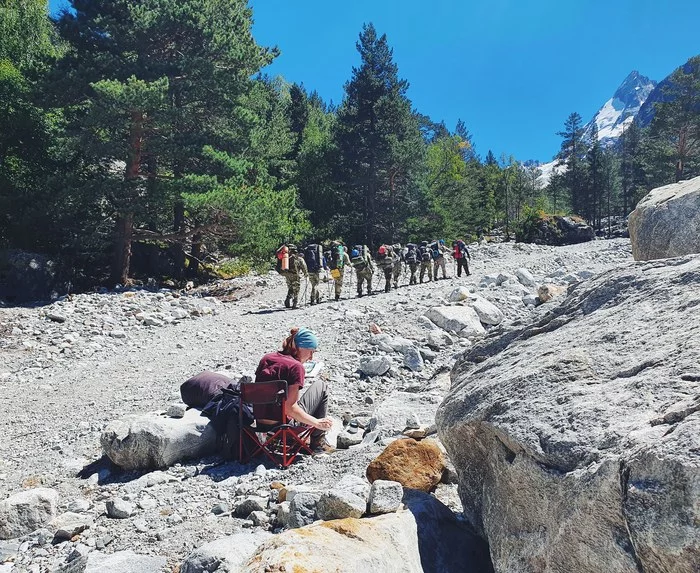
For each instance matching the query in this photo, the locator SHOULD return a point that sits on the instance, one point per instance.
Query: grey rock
(438, 339)
(340, 504)
(302, 509)
(461, 319)
(23, 512)
(666, 223)
(375, 366)
(259, 518)
(427, 354)
(78, 505)
(69, 524)
(124, 562)
(246, 506)
(154, 441)
(118, 508)
(459, 294)
(355, 485)
(487, 312)
(346, 440)
(412, 359)
(531, 300)
(226, 554)
(525, 277)
(559, 428)
(385, 496)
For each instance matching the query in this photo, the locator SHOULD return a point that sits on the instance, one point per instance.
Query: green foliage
(380, 149)
(535, 223)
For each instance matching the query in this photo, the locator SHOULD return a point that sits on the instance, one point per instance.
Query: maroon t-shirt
(278, 366)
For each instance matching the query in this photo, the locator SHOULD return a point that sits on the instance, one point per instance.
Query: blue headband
(305, 338)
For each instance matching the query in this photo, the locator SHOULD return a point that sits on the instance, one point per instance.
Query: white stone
(461, 319)
(385, 496)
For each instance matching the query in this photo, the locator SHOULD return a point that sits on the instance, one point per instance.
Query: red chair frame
(282, 441)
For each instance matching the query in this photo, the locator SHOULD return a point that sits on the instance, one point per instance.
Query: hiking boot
(359, 295)
(286, 302)
(294, 303)
(337, 297)
(319, 447)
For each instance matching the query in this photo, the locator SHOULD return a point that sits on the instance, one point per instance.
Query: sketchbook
(313, 368)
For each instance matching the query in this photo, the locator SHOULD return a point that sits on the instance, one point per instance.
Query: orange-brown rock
(417, 465)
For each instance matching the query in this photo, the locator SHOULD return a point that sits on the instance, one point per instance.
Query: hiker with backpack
(315, 263)
(337, 262)
(411, 259)
(364, 269)
(462, 256)
(292, 266)
(385, 261)
(439, 250)
(398, 263)
(310, 406)
(426, 261)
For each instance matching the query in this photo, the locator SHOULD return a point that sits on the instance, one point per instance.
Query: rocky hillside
(69, 369)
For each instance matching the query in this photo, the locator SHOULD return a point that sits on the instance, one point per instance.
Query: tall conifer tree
(379, 143)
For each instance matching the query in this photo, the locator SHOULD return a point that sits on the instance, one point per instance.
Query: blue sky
(511, 69)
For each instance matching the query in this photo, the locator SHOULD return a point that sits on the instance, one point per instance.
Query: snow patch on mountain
(620, 110)
(612, 118)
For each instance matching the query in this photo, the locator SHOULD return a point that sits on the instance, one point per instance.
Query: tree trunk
(124, 230)
(178, 248)
(124, 227)
(196, 252)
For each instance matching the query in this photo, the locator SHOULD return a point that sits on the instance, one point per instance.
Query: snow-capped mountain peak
(620, 110)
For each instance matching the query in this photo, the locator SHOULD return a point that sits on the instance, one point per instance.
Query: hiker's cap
(306, 338)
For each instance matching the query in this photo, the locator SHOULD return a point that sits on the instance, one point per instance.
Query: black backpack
(435, 251)
(313, 258)
(222, 410)
(424, 253)
(411, 253)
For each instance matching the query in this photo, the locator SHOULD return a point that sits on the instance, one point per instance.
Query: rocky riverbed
(69, 368)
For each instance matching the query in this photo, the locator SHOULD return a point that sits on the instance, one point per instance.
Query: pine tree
(592, 206)
(571, 155)
(379, 143)
(201, 52)
(631, 169)
(676, 123)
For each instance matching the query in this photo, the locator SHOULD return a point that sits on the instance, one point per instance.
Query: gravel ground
(69, 368)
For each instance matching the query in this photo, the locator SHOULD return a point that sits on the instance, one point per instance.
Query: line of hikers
(315, 259)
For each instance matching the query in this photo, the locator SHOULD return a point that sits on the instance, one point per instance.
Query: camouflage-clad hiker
(297, 268)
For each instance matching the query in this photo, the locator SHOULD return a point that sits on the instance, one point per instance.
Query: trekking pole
(306, 286)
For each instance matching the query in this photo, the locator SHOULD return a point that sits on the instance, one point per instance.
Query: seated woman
(288, 364)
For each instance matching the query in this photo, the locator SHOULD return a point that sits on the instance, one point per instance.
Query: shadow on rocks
(445, 544)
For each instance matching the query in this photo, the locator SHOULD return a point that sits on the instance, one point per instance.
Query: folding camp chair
(271, 434)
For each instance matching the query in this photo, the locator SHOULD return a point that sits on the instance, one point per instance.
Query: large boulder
(226, 554)
(576, 439)
(428, 538)
(155, 441)
(386, 543)
(666, 223)
(23, 512)
(413, 464)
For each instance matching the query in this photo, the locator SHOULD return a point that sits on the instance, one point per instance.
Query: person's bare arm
(296, 412)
